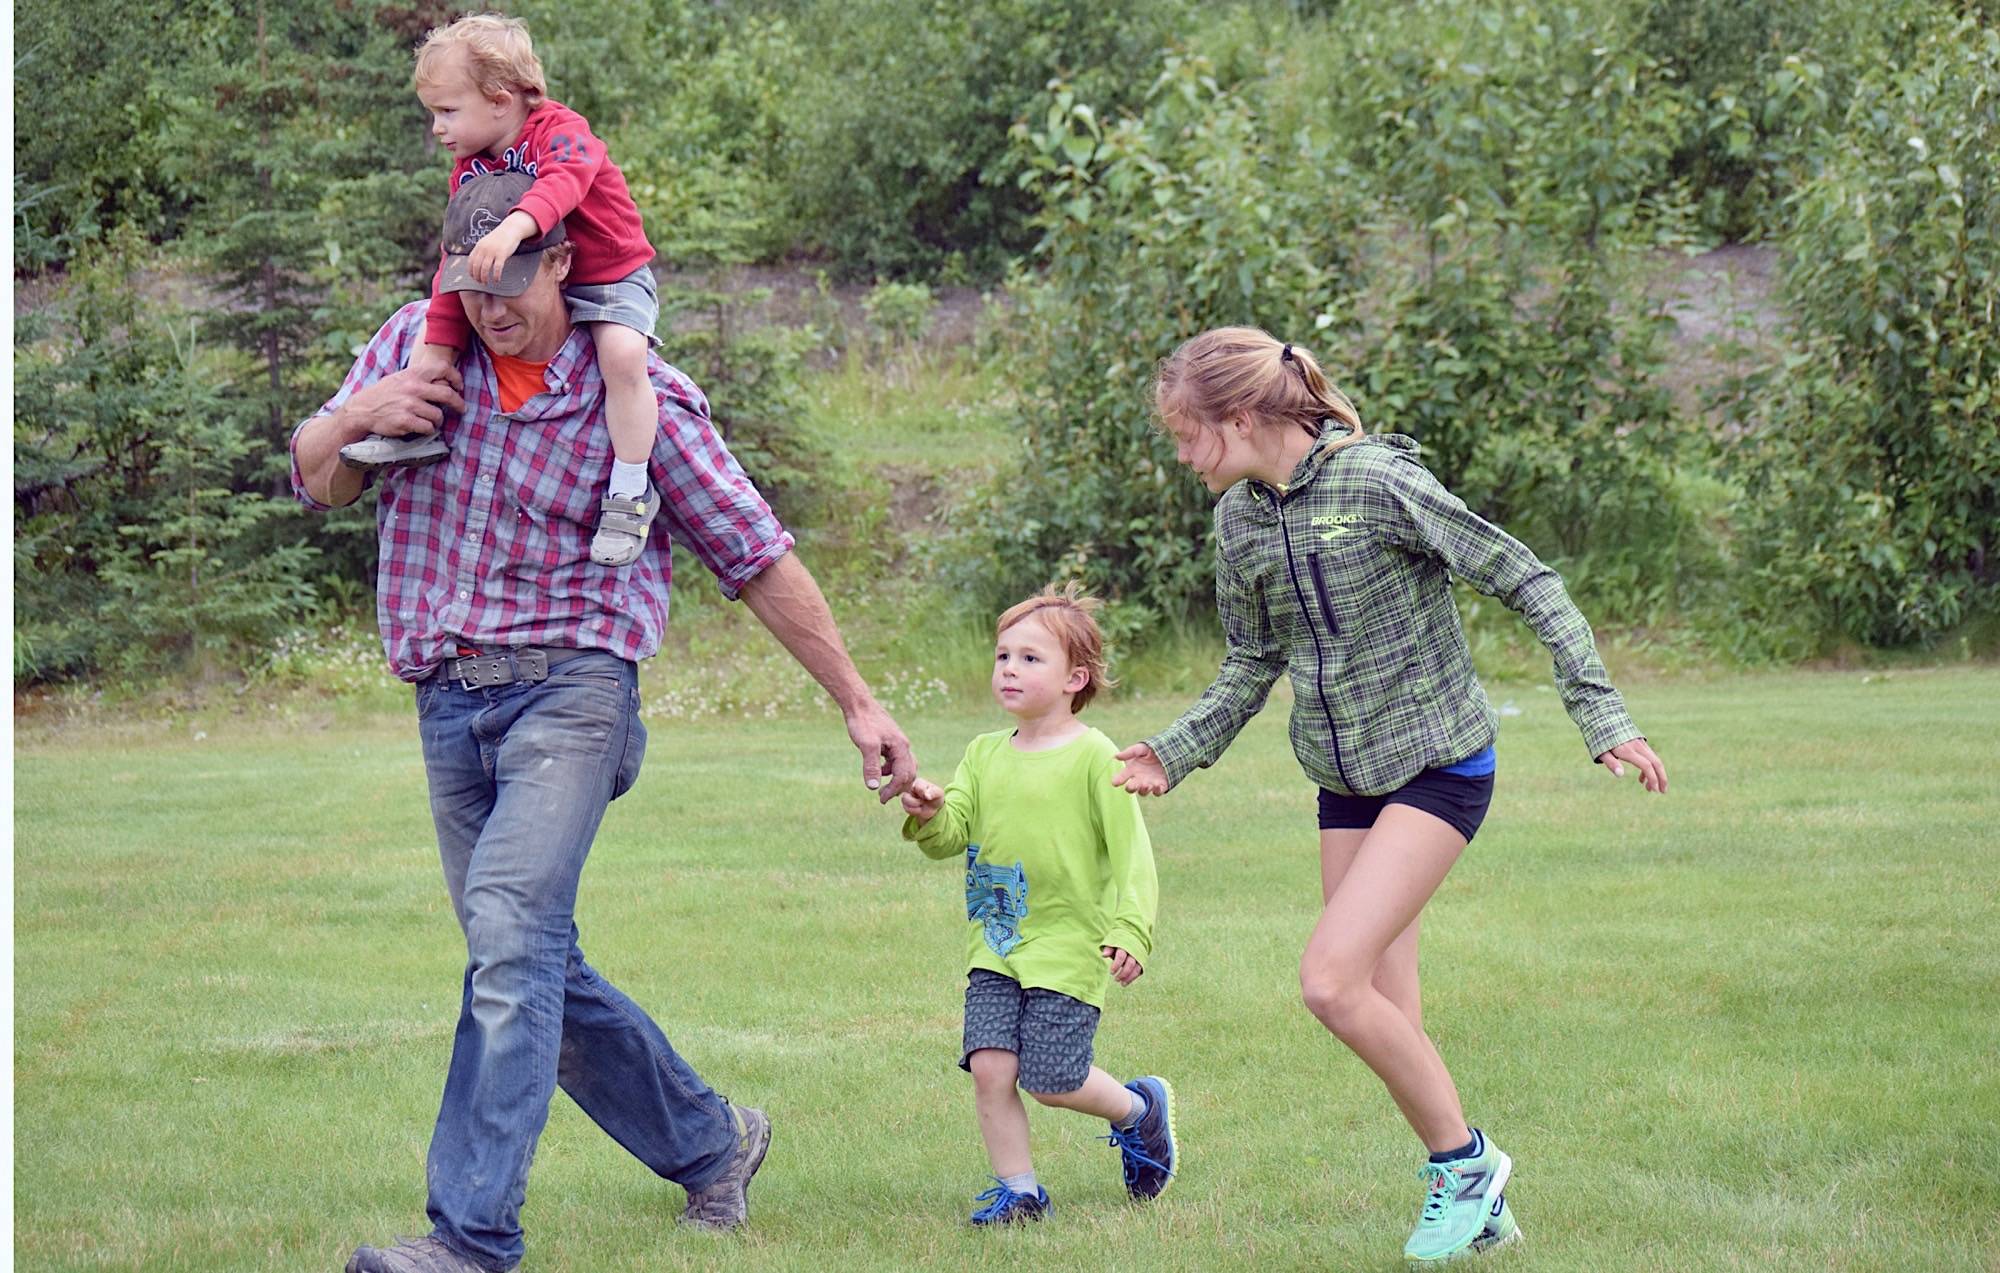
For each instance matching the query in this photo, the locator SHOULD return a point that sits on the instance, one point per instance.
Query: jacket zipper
(1319, 651)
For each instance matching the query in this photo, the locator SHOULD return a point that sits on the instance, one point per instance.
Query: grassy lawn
(1748, 1026)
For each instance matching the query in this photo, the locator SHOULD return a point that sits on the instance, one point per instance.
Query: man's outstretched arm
(786, 599)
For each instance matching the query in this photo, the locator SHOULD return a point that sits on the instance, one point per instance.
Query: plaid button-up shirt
(1345, 580)
(491, 547)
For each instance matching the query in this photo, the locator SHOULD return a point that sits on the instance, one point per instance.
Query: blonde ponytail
(1246, 371)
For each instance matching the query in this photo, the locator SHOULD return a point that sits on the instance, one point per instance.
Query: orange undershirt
(519, 379)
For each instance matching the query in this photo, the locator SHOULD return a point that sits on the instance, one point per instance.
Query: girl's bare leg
(1373, 905)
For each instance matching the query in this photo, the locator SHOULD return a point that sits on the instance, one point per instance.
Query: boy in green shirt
(1059, 901)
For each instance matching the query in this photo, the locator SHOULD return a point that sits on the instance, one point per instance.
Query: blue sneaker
(1004, 1206)
(1147, 1147)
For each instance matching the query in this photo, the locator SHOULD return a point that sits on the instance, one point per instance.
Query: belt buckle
(483, 671)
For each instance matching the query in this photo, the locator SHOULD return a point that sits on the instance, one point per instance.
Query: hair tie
(1286, 356)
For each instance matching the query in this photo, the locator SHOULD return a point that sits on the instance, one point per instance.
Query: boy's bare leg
(1101, 1096)
(1003, 1120)
(632, 416)
(1400, 863)
(630, 409)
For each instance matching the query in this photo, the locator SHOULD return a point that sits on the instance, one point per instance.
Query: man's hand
(1124, 969)
(786, 600)
(883, 747)
(399, 404)
(1143, 774)
(1652, 772)
(491, 252)
(923, 800)
(402, 403)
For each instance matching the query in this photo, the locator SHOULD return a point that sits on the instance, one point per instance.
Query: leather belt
(525, 663)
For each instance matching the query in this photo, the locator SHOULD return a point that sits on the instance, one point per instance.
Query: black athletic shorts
(1459, 800)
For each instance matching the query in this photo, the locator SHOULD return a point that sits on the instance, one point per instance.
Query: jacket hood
(1403, 445)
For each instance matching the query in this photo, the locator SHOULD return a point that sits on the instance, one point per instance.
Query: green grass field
(1753, 1025)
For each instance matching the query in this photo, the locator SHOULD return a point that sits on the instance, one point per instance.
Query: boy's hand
(435, 362)
(923, 800)
(1124, 969)
(491, 252)
(1143, 774)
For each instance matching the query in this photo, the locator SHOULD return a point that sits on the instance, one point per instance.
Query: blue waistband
(1475, 766)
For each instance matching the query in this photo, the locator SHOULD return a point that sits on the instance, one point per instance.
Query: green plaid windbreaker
(1345, 579)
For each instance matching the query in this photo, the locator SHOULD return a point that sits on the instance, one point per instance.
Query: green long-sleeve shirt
(1345, 581)
(1058, 862)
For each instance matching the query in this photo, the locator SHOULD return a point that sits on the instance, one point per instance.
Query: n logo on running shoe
(1469, 1183)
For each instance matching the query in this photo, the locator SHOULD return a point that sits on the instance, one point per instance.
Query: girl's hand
(1124, 969)
(923, 800)
(1635, 752)
(1143, 774)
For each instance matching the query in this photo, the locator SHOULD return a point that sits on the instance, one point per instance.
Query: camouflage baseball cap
(476, 209)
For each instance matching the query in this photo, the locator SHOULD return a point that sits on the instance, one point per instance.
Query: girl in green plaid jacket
(1334, 556)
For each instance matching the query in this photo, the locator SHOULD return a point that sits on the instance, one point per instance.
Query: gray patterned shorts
(632, 301)
(1050, 1032)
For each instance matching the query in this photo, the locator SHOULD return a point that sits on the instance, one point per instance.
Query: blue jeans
(519, 778)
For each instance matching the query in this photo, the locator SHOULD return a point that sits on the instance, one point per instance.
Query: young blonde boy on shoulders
(488, 100)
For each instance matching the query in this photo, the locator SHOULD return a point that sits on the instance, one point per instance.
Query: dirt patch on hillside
(796, 296)
(1727, 318)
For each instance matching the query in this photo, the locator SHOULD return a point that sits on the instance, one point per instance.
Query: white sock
(1023, 1183)
(1131, 1120)
(628, 481)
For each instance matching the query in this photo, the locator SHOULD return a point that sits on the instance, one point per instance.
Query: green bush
(1870, 453)
(137, 546)
(1155, 226)
(896, 118)
(1533, 388)
(1759, 76)
(897, 313)
(752, 376)
(1529, 380)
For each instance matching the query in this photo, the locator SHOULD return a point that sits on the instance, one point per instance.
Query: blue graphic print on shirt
(998, 897)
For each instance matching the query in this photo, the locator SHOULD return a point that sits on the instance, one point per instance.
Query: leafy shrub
(1759, 75)
(1870, 452)
(1155, 226)
(896, 119)
(898, 313)
(136, 545)
(753, 379)
(1535, 395)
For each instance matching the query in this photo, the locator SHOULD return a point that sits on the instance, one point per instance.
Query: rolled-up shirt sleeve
(388, 352)
(710, 505)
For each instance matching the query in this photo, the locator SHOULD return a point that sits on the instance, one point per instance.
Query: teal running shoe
(1457, 1198)
(1500, 1228)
